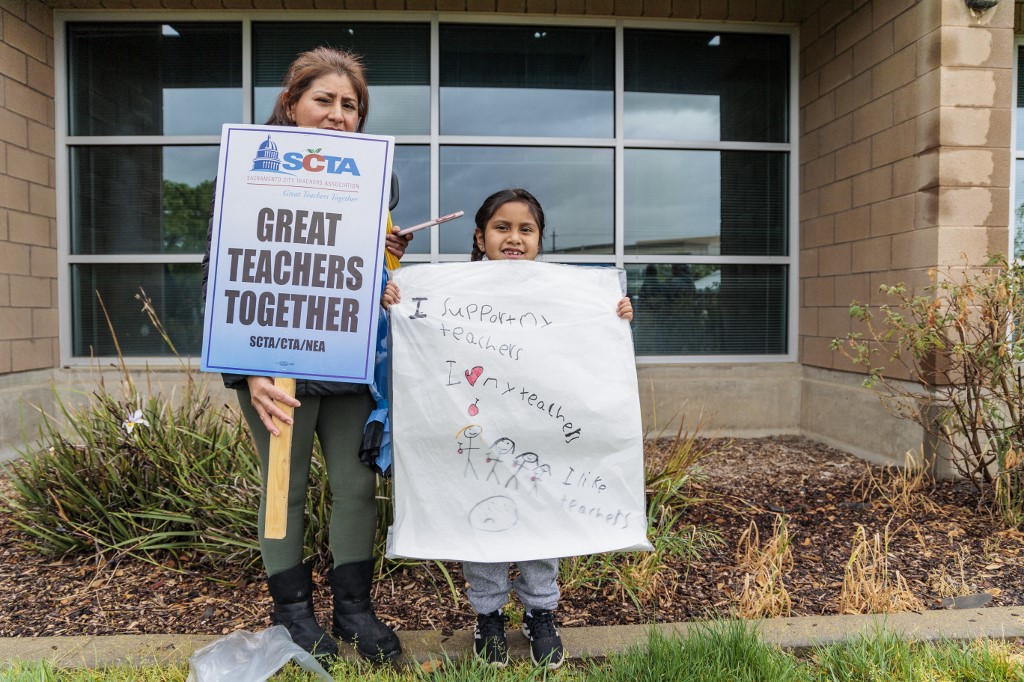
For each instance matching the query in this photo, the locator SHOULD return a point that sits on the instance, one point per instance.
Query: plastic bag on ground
(253, 657)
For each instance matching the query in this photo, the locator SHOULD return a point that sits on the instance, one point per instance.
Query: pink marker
(430, 223)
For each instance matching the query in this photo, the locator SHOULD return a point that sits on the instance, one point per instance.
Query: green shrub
(959, 341)
(141, 475)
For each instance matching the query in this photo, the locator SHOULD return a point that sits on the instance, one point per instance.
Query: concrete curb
(804, 632)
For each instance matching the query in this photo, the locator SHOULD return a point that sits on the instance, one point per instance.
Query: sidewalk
(789, 633)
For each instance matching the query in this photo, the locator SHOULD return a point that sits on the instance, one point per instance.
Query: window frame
(434, 141)
(1017, 154)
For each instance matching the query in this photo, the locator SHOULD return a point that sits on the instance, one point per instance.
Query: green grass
(726, 651)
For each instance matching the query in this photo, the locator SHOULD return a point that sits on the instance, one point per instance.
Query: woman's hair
(311, 65)
(497, 200)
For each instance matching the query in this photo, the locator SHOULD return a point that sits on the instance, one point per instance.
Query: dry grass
(766, 565)
(952, 582)
(901, 488)
(869, 585)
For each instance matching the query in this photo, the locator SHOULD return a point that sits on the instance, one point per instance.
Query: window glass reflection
(141, 199)
(1018, 212)
(689, 85)
(522, 80)
(573, 185)
(394, 109)
(175, 290)
(178, 78)
(705, 202)
(396, 57)
(708, 309)
(1019, 117)
(412, 166)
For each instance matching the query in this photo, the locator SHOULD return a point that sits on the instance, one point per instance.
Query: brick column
(905, 112)
(28, 234)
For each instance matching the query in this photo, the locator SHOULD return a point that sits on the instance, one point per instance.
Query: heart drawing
(473, 374)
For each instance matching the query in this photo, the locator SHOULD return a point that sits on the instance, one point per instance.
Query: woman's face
(511, 233)
(330, 102)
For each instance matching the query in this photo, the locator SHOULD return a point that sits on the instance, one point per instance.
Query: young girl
(509, 226)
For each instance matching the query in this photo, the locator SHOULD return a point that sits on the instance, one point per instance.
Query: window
(666, 152)
(527, 81)
(1017, 231)
(138, 210)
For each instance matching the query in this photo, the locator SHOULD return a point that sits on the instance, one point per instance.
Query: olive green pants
(338, 422)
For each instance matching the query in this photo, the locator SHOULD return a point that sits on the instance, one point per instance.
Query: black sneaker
(545, 643)
(489, 641)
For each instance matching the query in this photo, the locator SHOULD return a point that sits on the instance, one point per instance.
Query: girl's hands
(396, 244)
(265, 397)
(390, 296)
(625, 309)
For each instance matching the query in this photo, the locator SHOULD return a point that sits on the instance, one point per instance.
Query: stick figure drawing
(526, 459)
(540, 472)
(500, 448)
(469, 433)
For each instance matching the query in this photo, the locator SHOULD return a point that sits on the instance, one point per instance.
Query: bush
(133, 477)
(147, 477)
(959, 342)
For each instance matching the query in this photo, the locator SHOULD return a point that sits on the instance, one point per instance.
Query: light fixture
(168, 31)
(540, 34)
(715, 41)
(980, 5)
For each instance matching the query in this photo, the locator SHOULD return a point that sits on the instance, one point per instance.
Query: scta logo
(315, 162)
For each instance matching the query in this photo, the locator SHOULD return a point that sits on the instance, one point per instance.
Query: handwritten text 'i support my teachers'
(488, 315)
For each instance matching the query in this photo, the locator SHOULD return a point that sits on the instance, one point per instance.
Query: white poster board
(296, 255)
(516, 415)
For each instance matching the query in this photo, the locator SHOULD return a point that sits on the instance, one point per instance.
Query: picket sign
(296, 260)
(515, 414)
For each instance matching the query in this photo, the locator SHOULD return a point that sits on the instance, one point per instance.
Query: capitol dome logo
(267, 159)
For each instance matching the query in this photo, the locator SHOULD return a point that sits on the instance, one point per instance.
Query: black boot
(354, 619)
(292, 592)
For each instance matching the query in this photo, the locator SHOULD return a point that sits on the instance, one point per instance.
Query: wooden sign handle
(275, 525)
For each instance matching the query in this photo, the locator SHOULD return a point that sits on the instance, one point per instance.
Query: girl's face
(330, 102)
(511, 233)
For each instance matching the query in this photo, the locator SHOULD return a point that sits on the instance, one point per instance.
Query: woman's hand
(265, 398)
(390, 296)
(625, 309)
(396, 244)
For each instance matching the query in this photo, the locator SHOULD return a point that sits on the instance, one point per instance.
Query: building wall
(28, 231)
(906, 115)
(905, 119)
(29, 352)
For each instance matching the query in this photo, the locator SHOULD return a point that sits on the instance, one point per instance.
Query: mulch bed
(942, 549)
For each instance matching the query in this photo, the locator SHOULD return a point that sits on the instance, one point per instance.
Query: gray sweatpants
(537, 584)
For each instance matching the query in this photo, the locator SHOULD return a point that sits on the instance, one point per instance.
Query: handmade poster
(516, 415)
(299, 221)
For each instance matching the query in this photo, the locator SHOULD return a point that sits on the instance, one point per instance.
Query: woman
(324, 88)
